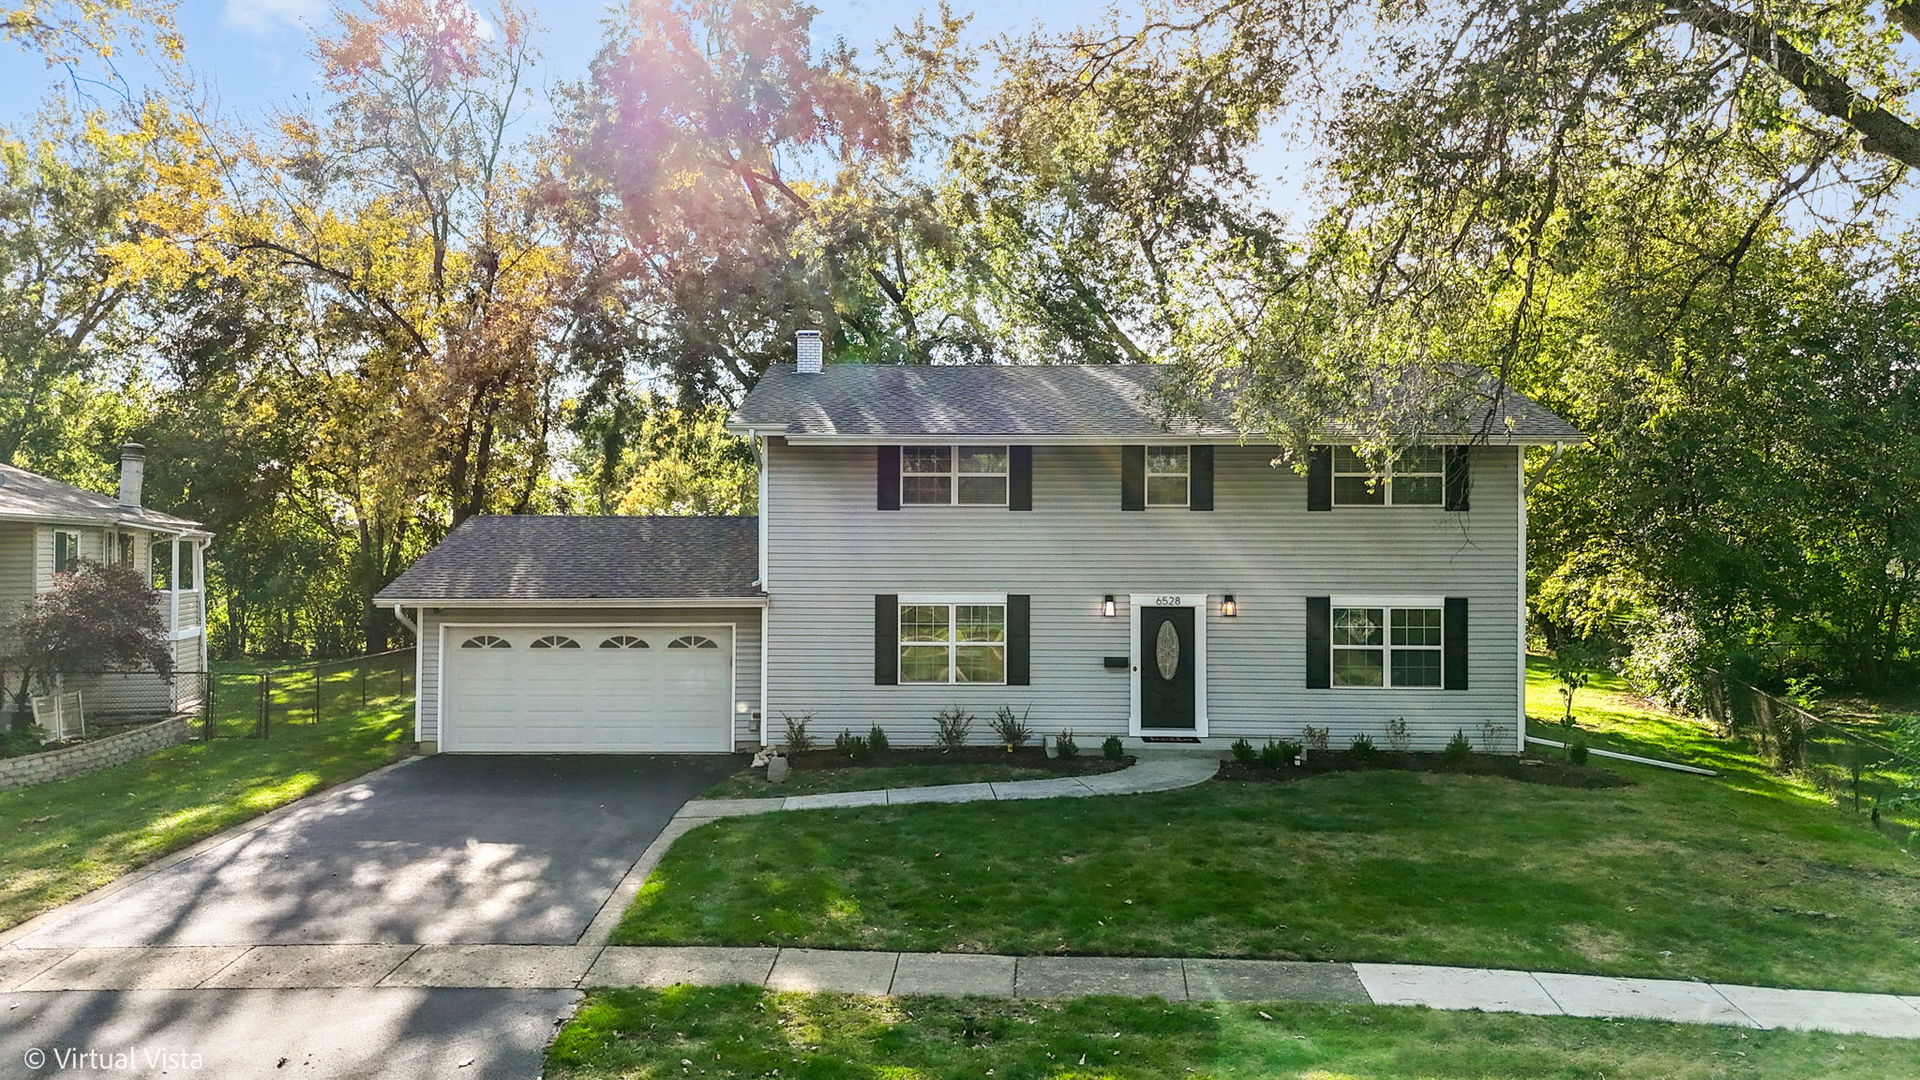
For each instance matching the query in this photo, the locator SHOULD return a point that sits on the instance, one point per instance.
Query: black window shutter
(1459, 477)
(1200, 477)
(1453, 627)
(887, 478)
(1320, 478)
(886, 640)
(1319, 642)
(1133, 478)
(1019, 640)
(1019, 477)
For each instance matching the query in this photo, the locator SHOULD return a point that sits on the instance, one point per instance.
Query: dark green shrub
(1113, 749)
(1011, 731)
(1363, 748)
(853, 746)
(1064, 746)
(1278, 753)
(1459, 748)
(952, 726)
(1243, 752)
(1577, 751)
(877, 740)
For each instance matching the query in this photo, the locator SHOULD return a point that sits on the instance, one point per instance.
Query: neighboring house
(980, 536)
(46, 527)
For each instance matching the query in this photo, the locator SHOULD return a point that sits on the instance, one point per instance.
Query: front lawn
(749, 1032)
(1747, 877)
(61, 840)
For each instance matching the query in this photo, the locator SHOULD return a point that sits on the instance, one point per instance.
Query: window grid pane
(1166, 461)
(980, 622)
(926, 459)
(1416, 667)
(923, 663)
(1415, 490)
(1166, 491)
(983, 461)
(924, 622)
(926, 490)
(980, 663)
(1416, 626)
(983, 490)
(1357, 626)
(1358, 491)
(1357, 667)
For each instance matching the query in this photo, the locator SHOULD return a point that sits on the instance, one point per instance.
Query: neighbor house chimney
(133, 470)
(806, 351)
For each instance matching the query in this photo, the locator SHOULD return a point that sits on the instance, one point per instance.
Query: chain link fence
(260, 702)
(1857, 767)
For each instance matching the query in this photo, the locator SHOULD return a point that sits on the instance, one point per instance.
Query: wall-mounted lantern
(1228, 606)
(1107, 606)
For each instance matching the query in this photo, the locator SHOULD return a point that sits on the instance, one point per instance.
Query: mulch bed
(1531, 770)
(1027, 757)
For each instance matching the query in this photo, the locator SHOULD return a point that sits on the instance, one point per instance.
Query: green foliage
(798, 740)
(1577, 750)
(1315, 738)
(95, 618)
(1363, 748)
(1243, 752)
(1572, 669)
(877, 740)
(1009, 730)
(1064, 746)
(852, 746)
(1399, 739)
(1112, 748)
(952, 726)
(1459, 748)
(1278, 752)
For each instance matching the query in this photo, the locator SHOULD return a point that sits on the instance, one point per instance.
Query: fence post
(363, 683)
(206, 707)
(266, 701)
(316, 693)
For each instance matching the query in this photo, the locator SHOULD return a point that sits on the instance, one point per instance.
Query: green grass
(61, 840)
(752, 783)
(750, 1032)
(1747, 877)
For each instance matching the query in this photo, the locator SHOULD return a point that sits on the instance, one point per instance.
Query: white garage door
(602, 689)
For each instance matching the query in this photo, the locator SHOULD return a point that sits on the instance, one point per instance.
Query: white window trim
(1202, 606)
(1148, 473)
(954, 474)
(1388, 605)
(952, 602)
(1385, 478)
(75, 558)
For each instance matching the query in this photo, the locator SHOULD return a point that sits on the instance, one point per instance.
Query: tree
(64, 31)
(95, 618)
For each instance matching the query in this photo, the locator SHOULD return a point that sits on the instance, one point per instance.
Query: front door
(1168, 666)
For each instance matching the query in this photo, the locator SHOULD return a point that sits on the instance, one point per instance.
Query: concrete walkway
(27, 972)
(1161, 774)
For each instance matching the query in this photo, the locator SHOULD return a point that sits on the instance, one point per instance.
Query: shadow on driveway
(449, 849)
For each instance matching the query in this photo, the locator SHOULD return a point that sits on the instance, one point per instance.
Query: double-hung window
(1387, 646)
(958, 641)
(1415, 477)
(953, 475)
(1169, 475)
(66, 551)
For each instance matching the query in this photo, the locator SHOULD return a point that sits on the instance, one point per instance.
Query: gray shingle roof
(32, 497)
(854, 401)
(586, 558)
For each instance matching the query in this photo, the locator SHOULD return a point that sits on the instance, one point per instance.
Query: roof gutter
(567, 601)
(1031, 439)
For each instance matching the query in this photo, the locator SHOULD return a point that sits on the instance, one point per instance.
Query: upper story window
(1416, 477)
(1387, 646)
(953, 643)
(123, 549)
(953, 475)
(66, 551)
(1169, 475)
(161, 555)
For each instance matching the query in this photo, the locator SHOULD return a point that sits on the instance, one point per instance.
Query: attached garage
(587, 635)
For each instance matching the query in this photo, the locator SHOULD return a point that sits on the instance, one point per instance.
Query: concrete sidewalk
(568, 967)
(1161, 774)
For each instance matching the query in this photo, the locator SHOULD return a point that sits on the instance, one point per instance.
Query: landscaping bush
(1243, 752)
(1011, 731)
(1363, 748)
(1113, 749)
(952, 726)
(1459, 748)
(853, 746)
(1577, 752)
(1399, 739)
(1278, 753)
(1315, 738)
(798, 741)
(1065, 747)
(877, 740)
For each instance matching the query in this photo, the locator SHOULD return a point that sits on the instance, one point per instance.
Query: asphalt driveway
(449, 849)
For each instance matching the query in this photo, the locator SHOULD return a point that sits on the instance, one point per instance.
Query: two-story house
(1027, 536)
(47, 528)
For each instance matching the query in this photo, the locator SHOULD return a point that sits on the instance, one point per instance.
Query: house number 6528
(1167, 601)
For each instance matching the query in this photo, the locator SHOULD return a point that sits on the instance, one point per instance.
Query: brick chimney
(133, 473)
(806, 351)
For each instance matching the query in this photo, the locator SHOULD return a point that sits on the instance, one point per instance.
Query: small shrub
(1243, 752)
(952, 726)
(1459, 748)
(1011, 731)
(1572, 668)
(877, 740)
(1112, 748)
(1315, 738)
(853, 746)
(1278, 753)
(1399, 739)
(798, 741)
(1577, 752)
(1064, 746)
(1363, 748)
(1493, 736)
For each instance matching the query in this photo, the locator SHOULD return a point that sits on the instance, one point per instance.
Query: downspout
(400, 613)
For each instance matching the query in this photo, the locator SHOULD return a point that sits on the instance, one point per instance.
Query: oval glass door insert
(1166, 650)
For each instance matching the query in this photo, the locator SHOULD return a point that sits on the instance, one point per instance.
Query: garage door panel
(523, 699)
